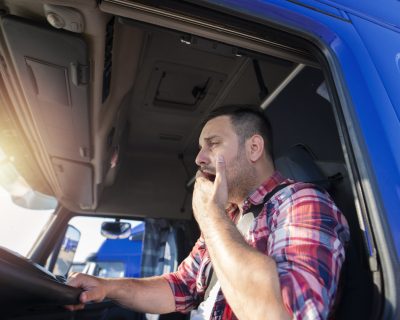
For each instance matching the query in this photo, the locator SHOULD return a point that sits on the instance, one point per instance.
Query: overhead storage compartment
(53, 68)
(174, 86)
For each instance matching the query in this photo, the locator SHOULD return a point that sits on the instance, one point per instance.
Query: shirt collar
(257, 196)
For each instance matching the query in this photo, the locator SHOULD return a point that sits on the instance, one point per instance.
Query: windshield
(23, 211)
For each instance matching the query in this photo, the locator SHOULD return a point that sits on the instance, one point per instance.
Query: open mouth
(209, 176)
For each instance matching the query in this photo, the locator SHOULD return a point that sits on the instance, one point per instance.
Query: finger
(75, 307)
(75, 280)
(85, 297)
(220, 174)
(93, 290)
(94, 295)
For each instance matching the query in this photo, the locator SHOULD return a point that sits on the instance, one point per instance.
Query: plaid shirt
(301, 229)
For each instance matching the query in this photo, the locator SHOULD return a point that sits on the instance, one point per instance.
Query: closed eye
(213, 144)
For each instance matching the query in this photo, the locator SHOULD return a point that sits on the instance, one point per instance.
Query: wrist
(109, 287)
(214, 221)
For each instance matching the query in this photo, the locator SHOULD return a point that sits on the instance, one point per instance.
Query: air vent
(180, 90)
(170, 137)
(176, 88)
(108, 59)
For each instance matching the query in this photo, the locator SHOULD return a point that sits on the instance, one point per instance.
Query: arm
(150, 295)
(307, 241)
(175, 291)
(248, 278)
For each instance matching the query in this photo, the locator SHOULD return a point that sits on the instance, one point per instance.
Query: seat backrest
(298, 163)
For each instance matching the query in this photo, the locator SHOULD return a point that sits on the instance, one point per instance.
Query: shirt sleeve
(307, 241)
(183, 282)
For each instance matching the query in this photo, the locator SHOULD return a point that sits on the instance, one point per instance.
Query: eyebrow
(212, 137)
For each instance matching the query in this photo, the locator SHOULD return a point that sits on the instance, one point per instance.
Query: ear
(255, 147)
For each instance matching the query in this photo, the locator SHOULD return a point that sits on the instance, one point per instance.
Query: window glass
(160, 253)
(100, 256)
(19, 227)
(111, 269)
(23, 211)
(149, 248)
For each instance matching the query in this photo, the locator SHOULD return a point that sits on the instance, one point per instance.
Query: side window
(20, 226)
(99, 253)
(24, 212)
(160, 250)
(92, 249)
(144, 248)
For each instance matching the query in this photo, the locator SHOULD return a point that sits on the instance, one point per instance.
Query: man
(286, 265)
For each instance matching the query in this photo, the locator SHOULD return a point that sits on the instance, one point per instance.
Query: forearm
(248, 278)
(149, 295)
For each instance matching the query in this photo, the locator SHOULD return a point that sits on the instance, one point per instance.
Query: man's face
(219, 138)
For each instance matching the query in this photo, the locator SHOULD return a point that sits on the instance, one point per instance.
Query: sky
(19, 228)
(91, 238)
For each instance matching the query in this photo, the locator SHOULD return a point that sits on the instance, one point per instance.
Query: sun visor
(53, 68)
(75, 180)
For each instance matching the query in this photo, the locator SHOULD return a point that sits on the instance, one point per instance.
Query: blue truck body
(361, 42)
(120, 257)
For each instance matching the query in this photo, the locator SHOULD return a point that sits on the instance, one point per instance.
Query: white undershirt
(203, 312)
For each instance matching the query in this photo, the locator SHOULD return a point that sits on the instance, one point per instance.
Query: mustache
(209, 170)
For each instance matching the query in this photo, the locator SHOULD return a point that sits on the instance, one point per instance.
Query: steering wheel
(25, 283)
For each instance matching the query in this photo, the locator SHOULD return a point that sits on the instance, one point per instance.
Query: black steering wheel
(25, 283)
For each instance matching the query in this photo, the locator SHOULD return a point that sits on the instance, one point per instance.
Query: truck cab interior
(101, 106)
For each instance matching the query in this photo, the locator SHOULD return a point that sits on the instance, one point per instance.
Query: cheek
(213, 155)
(229, 153)
(230, 159)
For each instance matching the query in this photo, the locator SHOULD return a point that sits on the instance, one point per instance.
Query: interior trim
(217, 32)
(282, 86)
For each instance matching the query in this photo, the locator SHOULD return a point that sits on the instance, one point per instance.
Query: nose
(202, 157)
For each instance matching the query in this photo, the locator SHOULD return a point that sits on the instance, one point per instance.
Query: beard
(240, 176)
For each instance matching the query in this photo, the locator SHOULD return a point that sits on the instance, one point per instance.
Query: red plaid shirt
(301, 229)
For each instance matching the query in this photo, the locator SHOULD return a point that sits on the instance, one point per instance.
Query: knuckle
(74, 275)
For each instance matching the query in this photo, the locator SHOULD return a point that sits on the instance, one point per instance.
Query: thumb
(94, 294)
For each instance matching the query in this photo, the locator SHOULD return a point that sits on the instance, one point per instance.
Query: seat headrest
(298, 164)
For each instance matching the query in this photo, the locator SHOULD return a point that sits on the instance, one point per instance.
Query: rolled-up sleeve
(186, 283)
(307, 241)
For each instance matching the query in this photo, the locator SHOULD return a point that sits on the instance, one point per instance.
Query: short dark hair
(247, 120)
